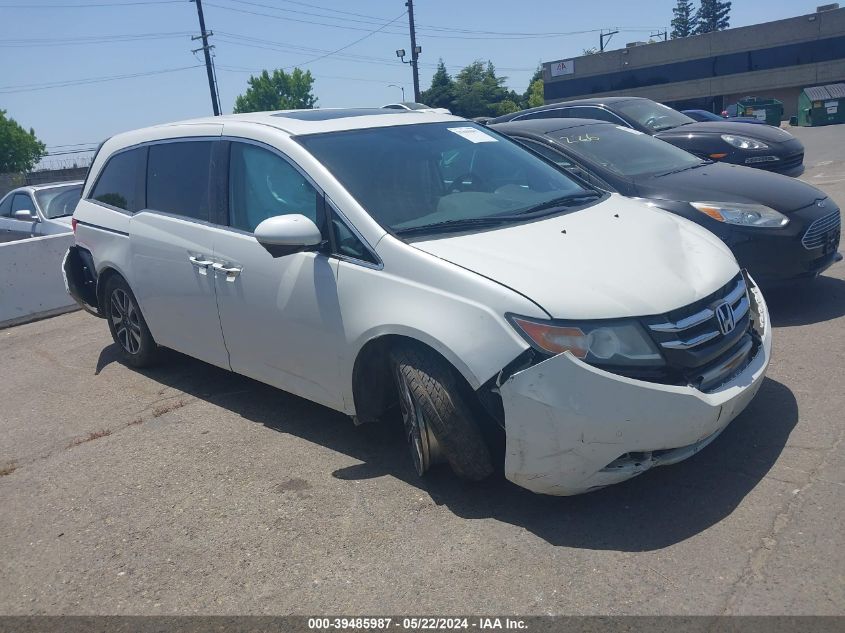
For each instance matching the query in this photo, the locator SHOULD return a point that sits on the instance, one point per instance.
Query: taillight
(73, 225)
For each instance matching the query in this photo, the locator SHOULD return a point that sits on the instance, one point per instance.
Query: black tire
(432, 387)
(128, 328)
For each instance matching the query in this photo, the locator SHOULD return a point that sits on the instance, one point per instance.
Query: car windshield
(58, 202)
(653, 116)
(443, 176)
(625, 151)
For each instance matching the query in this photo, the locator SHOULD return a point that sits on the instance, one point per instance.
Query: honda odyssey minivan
(366, 259)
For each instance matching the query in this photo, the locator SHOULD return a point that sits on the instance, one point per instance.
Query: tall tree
(712, 15)
(536, 96)
(279, 91)
(19, 150)
(683, 22)
(479, 91)
(531, 89)
(441, 94)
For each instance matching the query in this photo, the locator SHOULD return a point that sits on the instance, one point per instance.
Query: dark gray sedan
(761, 146)
(778, 228)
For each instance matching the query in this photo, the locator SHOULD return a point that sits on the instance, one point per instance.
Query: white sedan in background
(415, 107)
(37, 210)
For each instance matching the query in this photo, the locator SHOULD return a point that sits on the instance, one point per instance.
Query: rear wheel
(127, 325)
(438, 423)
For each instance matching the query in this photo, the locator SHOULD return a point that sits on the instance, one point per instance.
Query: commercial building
(774, 59)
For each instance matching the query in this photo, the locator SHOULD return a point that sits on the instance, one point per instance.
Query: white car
(364, 258)
(415, 107)
(38, 210)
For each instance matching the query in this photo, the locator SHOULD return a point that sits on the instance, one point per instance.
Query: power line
(88, 5)
(93, 39)
(89, 80)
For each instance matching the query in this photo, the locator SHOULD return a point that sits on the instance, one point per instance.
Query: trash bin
(768, 110)
(822, 105)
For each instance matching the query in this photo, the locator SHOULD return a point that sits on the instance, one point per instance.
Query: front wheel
(126, 323)
(438, 422)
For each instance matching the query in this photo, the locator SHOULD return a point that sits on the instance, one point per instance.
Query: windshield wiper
(563, 201)
(453, 225)
(680, 169)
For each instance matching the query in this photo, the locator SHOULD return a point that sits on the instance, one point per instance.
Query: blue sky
(54, 41)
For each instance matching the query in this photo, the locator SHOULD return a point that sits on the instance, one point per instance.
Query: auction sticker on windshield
(472, 134)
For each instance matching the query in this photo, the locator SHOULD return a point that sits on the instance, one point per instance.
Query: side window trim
(332, 210)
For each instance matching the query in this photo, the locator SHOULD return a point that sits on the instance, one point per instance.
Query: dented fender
(566, 421)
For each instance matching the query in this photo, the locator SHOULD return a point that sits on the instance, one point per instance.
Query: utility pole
(603, 35)
(415, 51)
(206, 49)
(664, 33)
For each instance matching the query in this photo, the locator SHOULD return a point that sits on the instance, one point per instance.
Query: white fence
(31, 284)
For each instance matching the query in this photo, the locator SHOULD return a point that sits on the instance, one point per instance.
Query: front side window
(22, 202)
(624, 151)
(546, 151)
(653, 116)
(262, 185)
(178, 178)
(411, 178)
(58, 202)
(117, 185)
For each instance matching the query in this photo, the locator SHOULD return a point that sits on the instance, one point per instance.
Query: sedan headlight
(599, 342)
(743, 214)
(743, 142)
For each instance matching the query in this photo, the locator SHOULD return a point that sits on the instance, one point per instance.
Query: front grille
(795, 160)
(817, 233)
(708, 342)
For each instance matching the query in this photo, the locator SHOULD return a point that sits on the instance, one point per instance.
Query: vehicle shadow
(660, 508)
(804, 303)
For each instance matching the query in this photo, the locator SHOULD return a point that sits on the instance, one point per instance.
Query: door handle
(230, 271)
(199, 263)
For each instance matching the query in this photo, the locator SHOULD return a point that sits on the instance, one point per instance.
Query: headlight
(742, 214)
(743, 142)
(599, 342)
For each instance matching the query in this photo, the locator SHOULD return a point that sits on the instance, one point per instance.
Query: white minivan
(370, 258)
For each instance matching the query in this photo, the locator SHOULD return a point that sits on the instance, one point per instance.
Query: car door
(280, 315)
(171, 243)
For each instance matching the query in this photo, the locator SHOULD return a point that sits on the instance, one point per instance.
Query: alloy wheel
(424, 448)
(126, 321)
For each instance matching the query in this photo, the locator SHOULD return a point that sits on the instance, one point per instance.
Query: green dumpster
(768, 110)
(822, 105)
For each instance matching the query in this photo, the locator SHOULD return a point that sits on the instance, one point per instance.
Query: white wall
(31, 284)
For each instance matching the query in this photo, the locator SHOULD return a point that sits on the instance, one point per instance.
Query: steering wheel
(474, 180)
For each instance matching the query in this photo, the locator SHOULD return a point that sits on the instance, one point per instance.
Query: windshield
(625, 151)
(410, 177)
(653, 116)
(57, 202)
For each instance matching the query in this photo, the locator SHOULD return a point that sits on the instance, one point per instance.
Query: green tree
(526, 96)
(441, 94)
(279, 91)
(478, 91)
(683, 22)
(712, 15)
(536, 96)
(19, 150)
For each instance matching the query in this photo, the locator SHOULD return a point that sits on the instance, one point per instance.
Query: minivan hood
(722, 182)
(618, 258)
(767, 133)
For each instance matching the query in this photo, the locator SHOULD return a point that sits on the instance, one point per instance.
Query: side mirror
(287, 234)
(26, 215)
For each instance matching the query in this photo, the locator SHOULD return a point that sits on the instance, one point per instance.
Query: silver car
(38, 210)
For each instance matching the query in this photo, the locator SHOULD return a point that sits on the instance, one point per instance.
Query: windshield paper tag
(628, 129)
(472, 134)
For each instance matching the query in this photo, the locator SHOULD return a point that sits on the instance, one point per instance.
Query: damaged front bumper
(572, 427)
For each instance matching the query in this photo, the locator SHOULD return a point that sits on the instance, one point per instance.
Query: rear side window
(117, 185)
(6, 206)
(178, 178)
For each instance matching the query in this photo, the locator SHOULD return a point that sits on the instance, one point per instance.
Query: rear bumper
(80, 279)
(571, 427)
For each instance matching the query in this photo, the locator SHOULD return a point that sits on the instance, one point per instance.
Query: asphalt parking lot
(187, 489)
